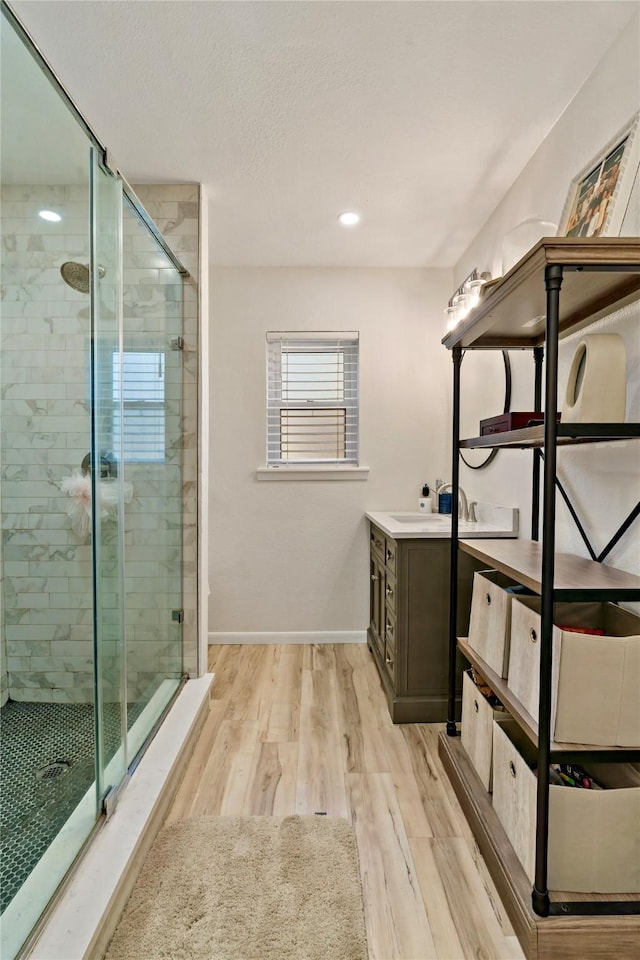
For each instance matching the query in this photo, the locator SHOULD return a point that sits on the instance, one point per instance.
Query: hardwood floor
(304, 729)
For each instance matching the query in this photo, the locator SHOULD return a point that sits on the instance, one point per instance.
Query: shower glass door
(147, 396)
(48, 796)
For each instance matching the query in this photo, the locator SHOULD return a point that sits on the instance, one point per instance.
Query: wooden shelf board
(568, 435)
(523, 718)
(601, 273)
(541, 938)
(522, 560)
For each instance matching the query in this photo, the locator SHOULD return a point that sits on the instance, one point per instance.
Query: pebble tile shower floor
(34, 808)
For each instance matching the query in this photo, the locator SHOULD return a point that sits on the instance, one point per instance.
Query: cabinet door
(376, 600)
(424, 616)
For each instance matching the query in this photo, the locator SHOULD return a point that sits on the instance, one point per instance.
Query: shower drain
(52, 770)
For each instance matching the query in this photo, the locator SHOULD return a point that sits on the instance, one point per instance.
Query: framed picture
(599, 196)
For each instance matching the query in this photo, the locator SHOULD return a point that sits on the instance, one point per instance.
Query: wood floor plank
(249, 685)
(494, 897)
(283, 704)
(444, 820)
(410, 799)
(226, 662)
(349, 714)
(397, 924)
(272, 786)
(430, 733)
(371, 739)
(323, 656)
(183, 802)
(320, 783)
(224, 781)
(478, 930)
(359, 719)
(434, 897)
(241, 770)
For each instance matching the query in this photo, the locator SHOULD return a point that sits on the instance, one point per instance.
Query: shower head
(76, 275)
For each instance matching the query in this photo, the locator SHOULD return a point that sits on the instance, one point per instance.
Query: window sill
(312, 473)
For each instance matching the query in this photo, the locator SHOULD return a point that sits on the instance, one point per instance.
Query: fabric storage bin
(476, 732)
(595, 680)
(490, 619)
(594, 835)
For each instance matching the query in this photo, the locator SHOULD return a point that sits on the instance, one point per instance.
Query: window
(138, 379)
(312, 398)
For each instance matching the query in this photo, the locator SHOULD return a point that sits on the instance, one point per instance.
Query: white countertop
(493, 521)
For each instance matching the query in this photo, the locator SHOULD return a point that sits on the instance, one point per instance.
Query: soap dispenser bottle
(424, 503)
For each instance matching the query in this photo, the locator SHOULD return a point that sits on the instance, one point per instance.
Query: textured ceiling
(418, 115)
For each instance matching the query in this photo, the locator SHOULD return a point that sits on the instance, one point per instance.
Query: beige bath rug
(246, 888)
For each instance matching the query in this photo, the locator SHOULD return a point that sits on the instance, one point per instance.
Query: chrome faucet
(463, 503)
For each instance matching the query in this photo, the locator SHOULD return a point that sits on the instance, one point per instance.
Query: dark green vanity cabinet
(409, 622)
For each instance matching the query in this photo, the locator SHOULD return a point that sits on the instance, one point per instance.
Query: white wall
(602, 479)
(607, 100)
(289, 556)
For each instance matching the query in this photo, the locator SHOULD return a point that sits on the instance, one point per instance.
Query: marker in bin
(573, 776)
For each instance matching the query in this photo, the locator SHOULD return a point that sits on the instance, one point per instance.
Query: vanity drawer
(390, 555)
(390, 591)
(390, 641)
(376, 542)
(390, 628)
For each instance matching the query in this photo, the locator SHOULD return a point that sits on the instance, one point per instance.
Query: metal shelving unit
(595, 276)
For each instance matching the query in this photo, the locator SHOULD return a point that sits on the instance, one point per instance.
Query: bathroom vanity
(409, 563)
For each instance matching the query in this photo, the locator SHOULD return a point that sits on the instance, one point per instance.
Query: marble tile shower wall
(47, 567)
(45, 418)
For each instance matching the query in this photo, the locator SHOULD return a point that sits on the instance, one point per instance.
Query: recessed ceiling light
(49, 215)
(349, 219)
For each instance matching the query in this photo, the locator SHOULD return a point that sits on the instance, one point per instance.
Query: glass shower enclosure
(90, 484)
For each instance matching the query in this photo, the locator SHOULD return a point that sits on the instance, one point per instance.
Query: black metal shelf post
(538, 355)
(540, 893)
(453, 590)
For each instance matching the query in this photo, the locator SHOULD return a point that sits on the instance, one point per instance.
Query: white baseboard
(305, 636)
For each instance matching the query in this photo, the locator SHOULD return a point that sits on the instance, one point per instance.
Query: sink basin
(493, 521)
(419, 517)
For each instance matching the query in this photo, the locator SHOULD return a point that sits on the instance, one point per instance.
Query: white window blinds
(312, 398)
(138, 379)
